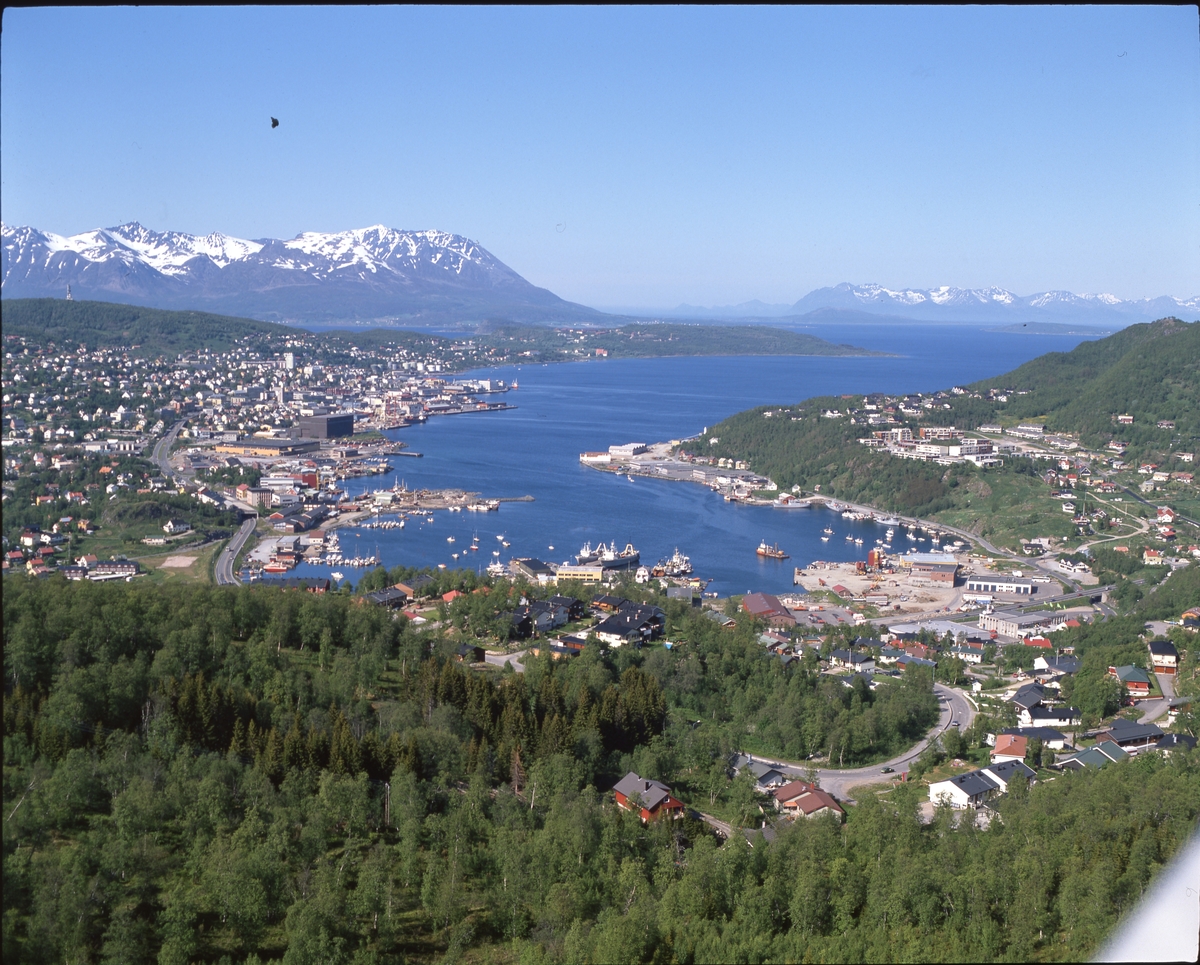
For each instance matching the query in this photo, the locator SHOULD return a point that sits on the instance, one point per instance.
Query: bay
(567, 408)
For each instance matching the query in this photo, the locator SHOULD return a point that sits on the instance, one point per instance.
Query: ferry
(771, 552)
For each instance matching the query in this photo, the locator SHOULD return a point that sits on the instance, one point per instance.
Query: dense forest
(200, 774)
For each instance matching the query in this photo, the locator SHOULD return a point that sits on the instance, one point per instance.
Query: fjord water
(565, 409)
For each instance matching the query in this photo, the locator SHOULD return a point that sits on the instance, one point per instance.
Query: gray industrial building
(326, 426)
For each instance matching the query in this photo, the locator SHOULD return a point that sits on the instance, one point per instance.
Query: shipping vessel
(771, 552)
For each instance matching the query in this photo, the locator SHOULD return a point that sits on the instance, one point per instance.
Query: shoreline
(800, 501)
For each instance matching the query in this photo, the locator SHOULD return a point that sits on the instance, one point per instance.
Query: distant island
(1050, 328)
(151, 332)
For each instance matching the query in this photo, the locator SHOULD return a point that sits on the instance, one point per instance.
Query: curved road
(224, 568)
(955, 707)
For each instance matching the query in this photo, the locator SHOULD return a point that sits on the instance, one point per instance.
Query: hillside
(153, 331)
(1151, 372)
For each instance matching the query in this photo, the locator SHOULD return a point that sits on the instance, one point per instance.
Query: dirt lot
(920, 599)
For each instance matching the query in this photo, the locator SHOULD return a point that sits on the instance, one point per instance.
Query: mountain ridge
(362, 273)
(382, 274)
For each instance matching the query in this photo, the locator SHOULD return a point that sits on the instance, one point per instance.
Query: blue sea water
(565, 409)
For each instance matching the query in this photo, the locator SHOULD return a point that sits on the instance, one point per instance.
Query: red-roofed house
(1009, 747)
(1038, 641)
(801, 799)
(767, 607)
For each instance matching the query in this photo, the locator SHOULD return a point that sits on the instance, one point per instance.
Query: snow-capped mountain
(364, 273)
(992, 304)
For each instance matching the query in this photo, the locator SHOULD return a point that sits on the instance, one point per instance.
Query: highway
(956, 706)
(162, 450)
(224, 568)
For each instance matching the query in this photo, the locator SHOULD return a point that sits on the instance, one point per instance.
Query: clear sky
(635, 157)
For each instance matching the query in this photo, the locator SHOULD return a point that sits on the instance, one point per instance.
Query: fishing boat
(771, 552)
(675, 565)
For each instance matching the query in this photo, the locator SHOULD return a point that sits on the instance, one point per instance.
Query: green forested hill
(1149, 371)
(107, 325)
(217, 774)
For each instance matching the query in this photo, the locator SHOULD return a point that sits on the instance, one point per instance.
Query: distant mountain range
(382, 275)
(369, 274)
(956, 304)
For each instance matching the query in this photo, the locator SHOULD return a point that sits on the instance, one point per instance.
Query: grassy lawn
(1006, 507)
(200, 570)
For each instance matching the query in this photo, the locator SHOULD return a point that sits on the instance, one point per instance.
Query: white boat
(454, 556)
(449, 539)
(551, 548)
(500, 538)
(858, 542)
(495, 552)
(338, 576)
(824, 539)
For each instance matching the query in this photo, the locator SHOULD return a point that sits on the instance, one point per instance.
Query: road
(162, 450)
(838, 782)
(224, 568)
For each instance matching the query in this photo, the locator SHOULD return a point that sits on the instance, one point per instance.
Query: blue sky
(635, 157)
